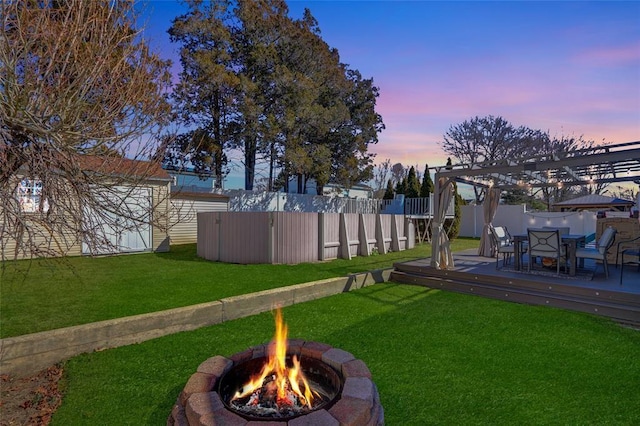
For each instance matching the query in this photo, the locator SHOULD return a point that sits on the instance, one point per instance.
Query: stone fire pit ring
(199, 403)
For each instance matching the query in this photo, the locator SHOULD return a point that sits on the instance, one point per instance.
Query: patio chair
(503, 244)
(624, 244)
(629, 248)
(635, 259)
(600, 251)
(546, 243)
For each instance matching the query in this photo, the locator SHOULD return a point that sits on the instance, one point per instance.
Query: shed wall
(69, 244)
(161, 209)
(183, 222)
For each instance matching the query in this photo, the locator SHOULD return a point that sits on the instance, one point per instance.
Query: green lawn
(437, 358)
(47, 294)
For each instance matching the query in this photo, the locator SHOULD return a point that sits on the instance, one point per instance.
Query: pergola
(601, 164)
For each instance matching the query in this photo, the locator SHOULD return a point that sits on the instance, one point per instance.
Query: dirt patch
(30, 400)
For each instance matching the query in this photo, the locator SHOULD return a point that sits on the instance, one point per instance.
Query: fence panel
(245, 237)
(349, 236)
(329, 235)
(289, 238)
(295, 237)
(368, 240)
(384, 232)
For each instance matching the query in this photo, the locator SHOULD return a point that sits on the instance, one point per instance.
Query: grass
(42, 294)
(436, 358)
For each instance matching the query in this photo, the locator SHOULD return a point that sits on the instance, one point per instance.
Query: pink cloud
(617, 55)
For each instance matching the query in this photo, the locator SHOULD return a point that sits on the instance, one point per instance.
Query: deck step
(622, 307)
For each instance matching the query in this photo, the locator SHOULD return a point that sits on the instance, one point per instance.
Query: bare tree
(398, 172)
(381, 175)
(487, 139)
(561, 147)
(81, 98)
(624, 192)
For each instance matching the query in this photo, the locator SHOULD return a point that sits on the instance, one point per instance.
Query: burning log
(279, 388)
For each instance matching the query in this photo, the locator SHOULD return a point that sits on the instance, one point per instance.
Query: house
(141, 187)
(593, 202)
(356, 190)
(190, 181)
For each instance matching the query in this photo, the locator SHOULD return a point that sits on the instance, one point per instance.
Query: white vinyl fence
(261, 201)
(517, 220)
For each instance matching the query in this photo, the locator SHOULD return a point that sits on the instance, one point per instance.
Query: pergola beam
(621, 163)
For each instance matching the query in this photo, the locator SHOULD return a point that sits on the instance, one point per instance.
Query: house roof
(123, 167)
(191, 195)
(595, 200)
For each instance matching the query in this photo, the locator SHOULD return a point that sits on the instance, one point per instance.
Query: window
(30, 195)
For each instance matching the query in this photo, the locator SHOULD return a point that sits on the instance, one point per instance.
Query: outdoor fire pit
(287, 381)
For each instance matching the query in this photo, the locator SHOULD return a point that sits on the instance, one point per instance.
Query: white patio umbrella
(490, 207)
(441, 257)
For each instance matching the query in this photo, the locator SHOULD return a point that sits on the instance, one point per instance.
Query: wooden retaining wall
(290, 238)
(27, 354)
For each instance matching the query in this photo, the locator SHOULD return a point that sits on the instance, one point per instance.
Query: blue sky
(570, 68)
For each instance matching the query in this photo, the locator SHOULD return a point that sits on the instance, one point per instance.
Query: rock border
(199, 403)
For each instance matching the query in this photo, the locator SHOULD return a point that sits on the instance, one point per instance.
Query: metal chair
(625, 244)
(503, 244)
(546, 243)
(601, 249)
(628, 248)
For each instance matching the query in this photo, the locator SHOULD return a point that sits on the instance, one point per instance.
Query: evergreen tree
(427, 183)
(256, 80)
(401, 186)
(388, 193)
(413, 185)
(205, 96)
(454, 228)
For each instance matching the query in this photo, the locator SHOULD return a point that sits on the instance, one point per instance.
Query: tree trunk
(301, 184)
(272, 160)
(249, 163)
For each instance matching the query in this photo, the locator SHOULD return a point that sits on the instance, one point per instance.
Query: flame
(287, 380)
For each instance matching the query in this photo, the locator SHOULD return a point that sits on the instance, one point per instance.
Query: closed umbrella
(441, 257)
(490, 207)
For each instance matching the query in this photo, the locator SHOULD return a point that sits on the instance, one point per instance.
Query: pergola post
(435, 230)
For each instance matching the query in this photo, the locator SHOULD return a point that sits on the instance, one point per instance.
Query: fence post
(362, 236)
(345, 250)
(270, 237)
(410, 233)
(321, 240)
(382, 248)
(395, 237)
(217, 225)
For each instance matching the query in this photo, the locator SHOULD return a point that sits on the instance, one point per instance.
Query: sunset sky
(570, 68)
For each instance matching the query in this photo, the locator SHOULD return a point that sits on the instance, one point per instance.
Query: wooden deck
(589, 291)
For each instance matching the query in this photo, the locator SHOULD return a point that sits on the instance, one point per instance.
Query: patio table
(572, 241)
